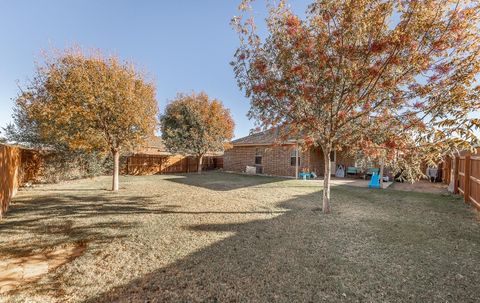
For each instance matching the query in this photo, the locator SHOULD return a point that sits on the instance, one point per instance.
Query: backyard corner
(226, 237)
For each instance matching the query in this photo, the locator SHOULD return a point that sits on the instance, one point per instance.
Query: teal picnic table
(305, 176)
(352, 170)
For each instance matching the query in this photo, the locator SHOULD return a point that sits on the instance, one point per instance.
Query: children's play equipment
(375, 181)
(340, 173)
(371, 171)
(306, 176)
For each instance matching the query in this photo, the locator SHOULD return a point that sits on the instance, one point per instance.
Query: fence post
(456, 163)
(449, 171)
(446, 170)
(466, 182)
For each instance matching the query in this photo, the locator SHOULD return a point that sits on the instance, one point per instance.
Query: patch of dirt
(421, 186)
(15, 272)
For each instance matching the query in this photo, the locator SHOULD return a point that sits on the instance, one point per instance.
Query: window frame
(333, 156)
(258, 156)
(294, 155)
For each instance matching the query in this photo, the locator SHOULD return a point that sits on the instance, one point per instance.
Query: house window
(258, 157)
(333, 156)
(294, 156)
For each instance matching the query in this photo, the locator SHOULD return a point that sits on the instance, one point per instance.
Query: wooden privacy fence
(160, 164)
(447, 170)
(17, 166)
(10, 160)
(465, 169)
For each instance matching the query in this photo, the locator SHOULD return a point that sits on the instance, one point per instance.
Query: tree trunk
(297, 159)
(382, 166)
(199, 164)
(116, 164)
(326, 181)
(451, 185)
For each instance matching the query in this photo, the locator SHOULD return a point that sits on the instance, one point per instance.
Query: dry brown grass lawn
(226, 238)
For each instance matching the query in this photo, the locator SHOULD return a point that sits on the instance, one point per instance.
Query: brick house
(271, 156)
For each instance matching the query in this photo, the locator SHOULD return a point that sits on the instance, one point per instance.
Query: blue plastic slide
(375, 181)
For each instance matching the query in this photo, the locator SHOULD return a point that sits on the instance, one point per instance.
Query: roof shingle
(268, 137)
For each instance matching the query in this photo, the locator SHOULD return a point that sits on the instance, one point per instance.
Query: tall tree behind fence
(10, 161)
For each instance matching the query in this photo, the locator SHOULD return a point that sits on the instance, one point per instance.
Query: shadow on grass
(256, 264)
(223, 181)
(220, 212)
(70, 214)
(63, 218)
(360, 253)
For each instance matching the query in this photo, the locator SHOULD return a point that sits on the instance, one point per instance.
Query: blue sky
(184, 45)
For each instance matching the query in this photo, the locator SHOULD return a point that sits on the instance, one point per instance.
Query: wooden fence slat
(455, 174)
(10, 175)
(466, 172)
(466, 179)
(475, 180)
(159, 164)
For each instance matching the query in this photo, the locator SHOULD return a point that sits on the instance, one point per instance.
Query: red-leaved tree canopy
(348, 63)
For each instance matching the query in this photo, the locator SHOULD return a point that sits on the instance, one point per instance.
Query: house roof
(156, 142)
(156, 146)
(268, 137)
(153, 146)
(27, 146)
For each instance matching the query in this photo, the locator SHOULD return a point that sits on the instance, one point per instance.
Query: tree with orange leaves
(348, 62)
(89, 102)
(195, 125)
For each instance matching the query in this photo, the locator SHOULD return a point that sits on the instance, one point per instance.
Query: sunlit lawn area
(221, 237)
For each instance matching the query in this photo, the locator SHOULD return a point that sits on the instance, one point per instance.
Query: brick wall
(276, 159)
(317, 162)
(238, 157)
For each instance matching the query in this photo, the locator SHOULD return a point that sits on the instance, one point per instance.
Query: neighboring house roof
(153, 146)
(26, 146)
(156, 146)
(268, 137)
(156, 142)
